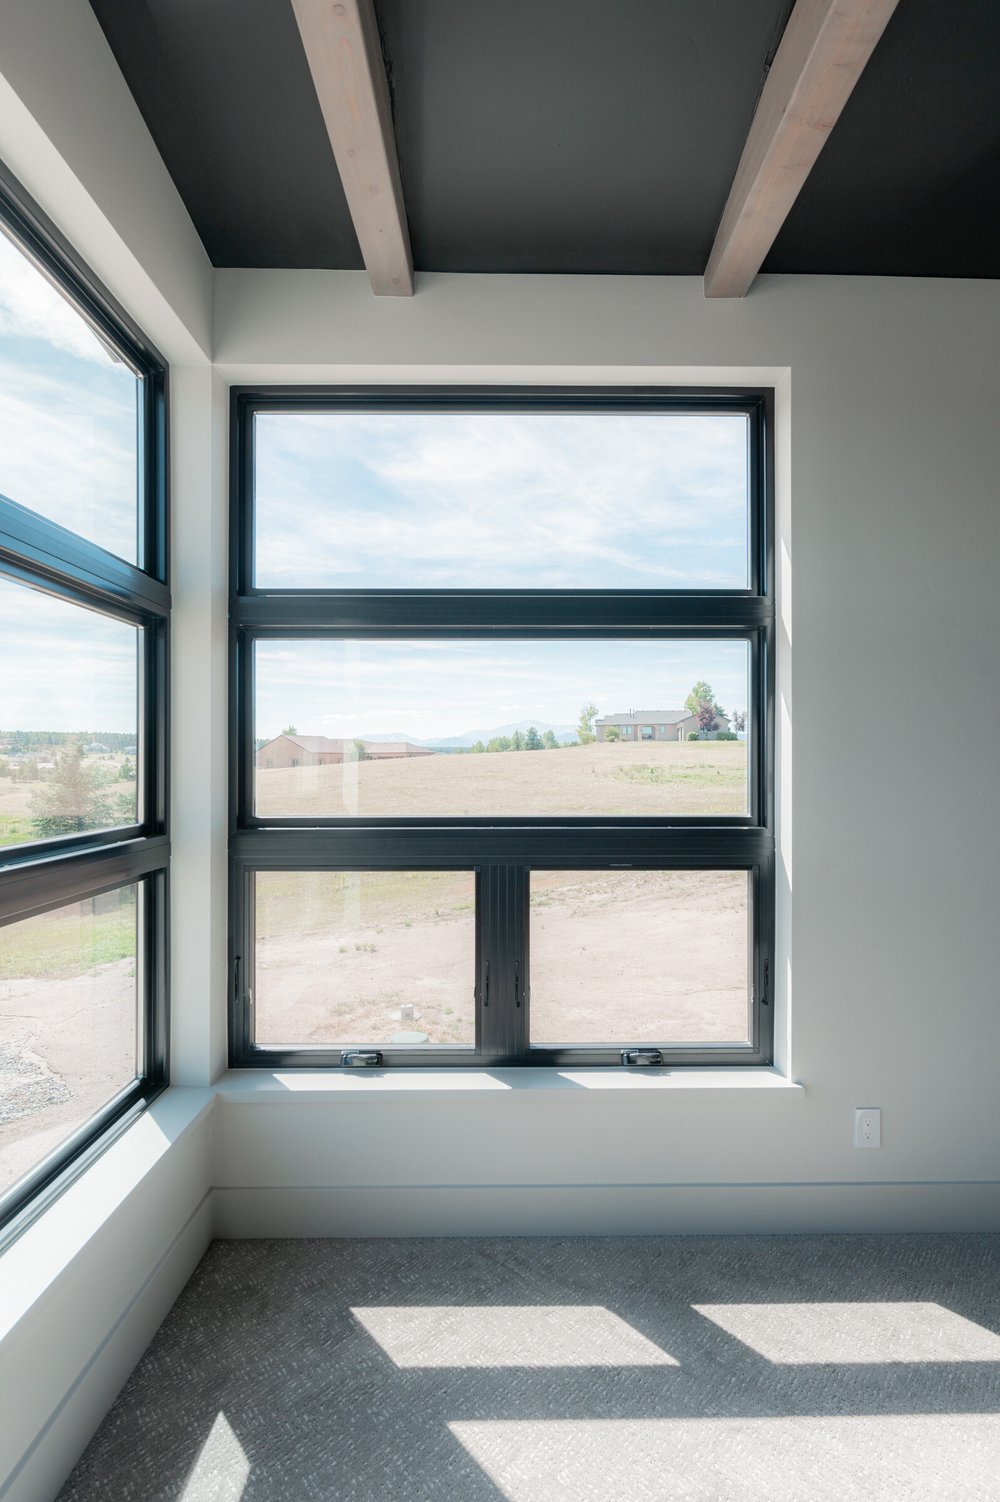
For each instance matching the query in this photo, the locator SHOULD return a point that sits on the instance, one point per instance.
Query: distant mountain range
(564, 734)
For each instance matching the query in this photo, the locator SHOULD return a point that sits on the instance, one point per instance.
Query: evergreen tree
(532, 741)
(73, 800)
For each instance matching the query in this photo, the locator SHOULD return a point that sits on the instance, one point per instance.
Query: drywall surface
(84, 1288)
(199, 691)
(73, 134)
(888, 710)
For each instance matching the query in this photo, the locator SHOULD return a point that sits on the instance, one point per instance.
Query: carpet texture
(539, 1370)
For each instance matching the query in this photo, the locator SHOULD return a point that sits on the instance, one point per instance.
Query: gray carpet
(541, 1370)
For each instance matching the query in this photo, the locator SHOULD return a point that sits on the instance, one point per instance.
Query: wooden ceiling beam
(821, 56)
(342, 46)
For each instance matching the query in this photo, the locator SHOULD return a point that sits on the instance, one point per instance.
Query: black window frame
(502, 851)
(42, 875)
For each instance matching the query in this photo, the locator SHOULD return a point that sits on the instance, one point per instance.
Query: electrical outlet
(867, 1127)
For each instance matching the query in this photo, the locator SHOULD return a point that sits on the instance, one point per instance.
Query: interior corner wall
(72, 133)
(889, 531)
(199, 678)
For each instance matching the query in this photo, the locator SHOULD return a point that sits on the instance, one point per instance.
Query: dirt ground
(699, 777)
(646, 956)
(67, 1045)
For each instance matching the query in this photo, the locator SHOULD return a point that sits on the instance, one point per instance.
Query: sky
(435, 689)
(63, 667)
(67, 412)
(501, 500)
(369, 500)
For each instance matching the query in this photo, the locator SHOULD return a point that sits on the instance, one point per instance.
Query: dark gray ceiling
(226, 91)
(909, 183)
(572, 135)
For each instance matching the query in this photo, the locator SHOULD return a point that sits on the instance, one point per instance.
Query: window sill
(260, 1086)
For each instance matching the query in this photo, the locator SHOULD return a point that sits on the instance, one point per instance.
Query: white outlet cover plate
(867, 1127)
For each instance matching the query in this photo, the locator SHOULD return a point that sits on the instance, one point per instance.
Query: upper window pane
(501, 500)
(68, 718)
(68, 412)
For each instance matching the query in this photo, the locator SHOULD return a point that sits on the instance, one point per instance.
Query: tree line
(23, 742)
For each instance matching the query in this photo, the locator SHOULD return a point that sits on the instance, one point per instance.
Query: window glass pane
(68, 412)
(369, 957)
(486, 500)
(424, 728)
(68, 717)
(68, 1034)
(640, 957)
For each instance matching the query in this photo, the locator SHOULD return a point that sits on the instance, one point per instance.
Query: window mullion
(502, 953)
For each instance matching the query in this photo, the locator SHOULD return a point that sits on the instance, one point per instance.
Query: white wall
(71, 131)
(889, 535)
(199, 691)
(84, 1288)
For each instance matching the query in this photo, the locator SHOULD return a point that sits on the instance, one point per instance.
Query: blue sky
(501, 500)
(67, 412)
(432, 689)
(62, 667)
(68, 451)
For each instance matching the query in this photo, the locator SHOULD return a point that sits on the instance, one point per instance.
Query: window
(83, 619)
(451, 599)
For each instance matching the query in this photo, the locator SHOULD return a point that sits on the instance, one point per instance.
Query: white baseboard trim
(604, 1210)
(56, 1448)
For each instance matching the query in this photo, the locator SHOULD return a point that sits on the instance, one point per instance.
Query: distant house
(655, 725)
(392, 750)
(301, 751)
(321, 751)
(97, 748)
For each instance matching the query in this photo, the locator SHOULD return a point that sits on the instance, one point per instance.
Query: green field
(71, 940)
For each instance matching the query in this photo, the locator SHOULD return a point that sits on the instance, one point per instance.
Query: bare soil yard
(66, 1047)
(623, 956)
(67, 1027)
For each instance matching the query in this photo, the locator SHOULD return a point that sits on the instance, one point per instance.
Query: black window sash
(42, 875)
(502, 851)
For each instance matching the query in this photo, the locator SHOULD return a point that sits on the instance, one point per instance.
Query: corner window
(447, 601)
(83, 619)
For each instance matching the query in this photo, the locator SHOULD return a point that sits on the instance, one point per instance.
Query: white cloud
(519, 500)
(31, 307)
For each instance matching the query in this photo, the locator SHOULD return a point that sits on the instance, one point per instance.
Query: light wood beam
(345, 58)
(820, 58)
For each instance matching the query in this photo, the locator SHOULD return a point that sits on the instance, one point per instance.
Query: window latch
(641, 1057)
(360, 1058)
